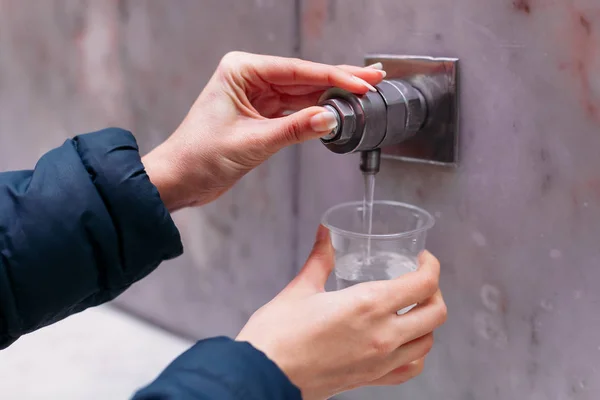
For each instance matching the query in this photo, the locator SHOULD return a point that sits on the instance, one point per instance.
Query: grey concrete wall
(518, 223)
(72, 66)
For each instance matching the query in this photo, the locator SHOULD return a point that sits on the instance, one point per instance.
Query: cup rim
(429, 220)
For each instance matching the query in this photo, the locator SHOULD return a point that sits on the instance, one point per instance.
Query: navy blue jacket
(83, 226)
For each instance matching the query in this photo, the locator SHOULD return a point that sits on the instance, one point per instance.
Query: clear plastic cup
(391, 249)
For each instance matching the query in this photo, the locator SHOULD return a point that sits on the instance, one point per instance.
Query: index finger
(291, 71)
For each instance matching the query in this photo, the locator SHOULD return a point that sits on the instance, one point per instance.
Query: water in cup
(351, 269)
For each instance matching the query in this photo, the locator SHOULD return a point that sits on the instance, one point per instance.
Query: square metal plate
(437, 79)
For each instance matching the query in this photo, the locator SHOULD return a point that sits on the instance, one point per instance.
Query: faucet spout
(370, 161)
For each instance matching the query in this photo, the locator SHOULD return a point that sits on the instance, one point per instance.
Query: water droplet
(578, 294)
(585, 204)
(555, 253)
(582, 384)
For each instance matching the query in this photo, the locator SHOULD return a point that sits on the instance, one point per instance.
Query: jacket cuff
(111, 158)
(220, 368)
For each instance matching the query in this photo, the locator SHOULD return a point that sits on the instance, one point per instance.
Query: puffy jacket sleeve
(222, 369)
(77, 230)
(83, 226)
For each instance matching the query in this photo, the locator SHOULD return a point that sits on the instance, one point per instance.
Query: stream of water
(367, 217)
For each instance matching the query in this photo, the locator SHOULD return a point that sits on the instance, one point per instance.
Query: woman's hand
(330, 342)
(238, 122)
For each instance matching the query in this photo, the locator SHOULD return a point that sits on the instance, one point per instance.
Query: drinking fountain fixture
(413, 115)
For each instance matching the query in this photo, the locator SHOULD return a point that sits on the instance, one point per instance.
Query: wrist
(167, 176)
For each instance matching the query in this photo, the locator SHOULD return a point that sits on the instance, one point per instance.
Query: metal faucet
(393, 114)
(416, 107)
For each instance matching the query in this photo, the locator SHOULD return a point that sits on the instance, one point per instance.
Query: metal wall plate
(437, 79)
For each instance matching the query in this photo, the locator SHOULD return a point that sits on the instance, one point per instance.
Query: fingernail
(377, 65)
(365, 83)
(325, 121)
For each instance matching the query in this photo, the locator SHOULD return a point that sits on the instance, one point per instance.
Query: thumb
(319, 265)
(309, 123)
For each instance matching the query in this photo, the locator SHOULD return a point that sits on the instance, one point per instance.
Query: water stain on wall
(314, 18)
(522, 6)
(583, 45)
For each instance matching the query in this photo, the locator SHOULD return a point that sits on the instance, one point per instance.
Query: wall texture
(517, 223)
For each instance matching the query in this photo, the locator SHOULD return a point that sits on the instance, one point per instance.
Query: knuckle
(401, 376)
(231, 59)
(367, 300)
(382, 345)
(430, 282)
(233, 55)
(418, 368)
(293, 131)
(431, 259)
(406, 373)
(427, 258)
(442, 313)
(428, 341)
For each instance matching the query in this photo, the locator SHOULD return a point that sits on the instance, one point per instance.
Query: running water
(367, 211)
